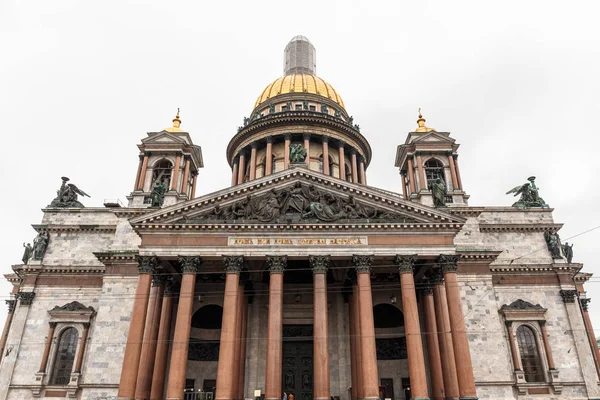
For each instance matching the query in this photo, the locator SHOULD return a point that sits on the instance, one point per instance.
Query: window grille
(530, 357)
(65, 355)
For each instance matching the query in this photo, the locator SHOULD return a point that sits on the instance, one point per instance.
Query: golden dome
(299, 83)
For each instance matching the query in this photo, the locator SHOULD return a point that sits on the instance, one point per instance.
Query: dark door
(298, 369)
(388, 388)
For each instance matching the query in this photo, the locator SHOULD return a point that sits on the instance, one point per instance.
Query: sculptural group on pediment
(296, 203)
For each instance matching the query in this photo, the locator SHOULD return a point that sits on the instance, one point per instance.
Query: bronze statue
(529, 195)
(66, 196)
(553, 243)
(40, 244)
(438, 190)
(157, 196)
(271, 109)
(568, 252)
(27, 253)
(297, 153)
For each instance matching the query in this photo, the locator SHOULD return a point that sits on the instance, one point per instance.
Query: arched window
(162, 173)
(387, 316)
(208, 317)
(530, 357)
(434, 170)
(65, 355)
(321, 165)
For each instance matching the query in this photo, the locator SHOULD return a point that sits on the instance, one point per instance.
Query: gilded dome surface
(300, 83)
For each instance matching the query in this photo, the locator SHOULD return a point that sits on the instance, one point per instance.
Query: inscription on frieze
(297, 241)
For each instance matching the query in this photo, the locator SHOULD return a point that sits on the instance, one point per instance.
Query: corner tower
(299, 108)
(426, 159)
(170, 158)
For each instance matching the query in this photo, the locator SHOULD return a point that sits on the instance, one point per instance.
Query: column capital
(276, 264)
(233, 264)
(25, 298)
(319, 264)
(325, 139)
(584, 303)
(86, 325)
(253, 145)
(341, 144)
(190, 264)
(448, 262)
(568, 296)
(269, 139)
(542, 323)
(147, 264)
(436, 277)
(306, 136)
(52, 325)
(508, 324)
(405, 263)
(426, 290)
(362, 262)
(170, 287)
(287, 136)
(11, 305)
(353, 151)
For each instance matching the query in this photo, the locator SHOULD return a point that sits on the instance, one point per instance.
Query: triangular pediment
(298, 196)
(163, 137)
(429, 137)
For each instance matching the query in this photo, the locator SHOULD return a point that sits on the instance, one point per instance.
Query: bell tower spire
(429, 168)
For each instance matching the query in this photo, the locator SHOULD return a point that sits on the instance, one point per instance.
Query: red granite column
(225, 369)
(194, 180)
(319, 265)
(326, 170)
(269, 156)
(162, 344)
(354, 166)
(433, 347)
(234, 172)
(186, 177)
(183, 325)
(252, 161)
(411, 176)
(276, 266)
(342, 162)
(286, 151)
(144, 378)
(241, 169)
(238, 342)
(131, 359)
(82, 347)
(175, 180)
(370, 376)
(422, 180)
(137, 176)
(412, 327)
(590, 333)
(444, 335)
(513, 346)
(242, 363)
(306, 138)
(464, 366)
(361, 172)
(142, 178)
(47, 346)
(404, 191)
(7, 324)
(357, 338)
(453, 172)
(460, 185)
(353, 360)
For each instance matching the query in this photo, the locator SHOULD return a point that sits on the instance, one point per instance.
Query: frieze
(298, 203)
(319, 264)
(296, 241)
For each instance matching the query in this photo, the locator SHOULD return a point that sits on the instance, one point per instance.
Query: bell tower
(170, 160)
(429, 168)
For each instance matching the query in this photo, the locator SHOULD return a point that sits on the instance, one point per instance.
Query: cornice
(293, 118)
(117, 257)
(467, 255)
(487, 227)
(535, 268)
(582, 277)
(70, 269)
(75, 228)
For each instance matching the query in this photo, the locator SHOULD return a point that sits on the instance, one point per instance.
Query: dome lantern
(300, 57)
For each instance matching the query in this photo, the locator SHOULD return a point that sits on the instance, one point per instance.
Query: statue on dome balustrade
(66, 195)
(530, 196)
(297, 153)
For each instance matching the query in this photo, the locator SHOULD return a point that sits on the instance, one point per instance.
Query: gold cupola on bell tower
(428, 163)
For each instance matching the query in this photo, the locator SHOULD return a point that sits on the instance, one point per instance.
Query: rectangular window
(283, 108)
(298, 107)
(312, 108)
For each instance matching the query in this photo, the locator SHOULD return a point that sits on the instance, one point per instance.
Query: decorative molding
(319, 264)
(117, 257)
(362, 263)
(276, 264)
(521, 305)
(75, 228)
(405, 263)
(233, 264)
(568, 296)
(73, 306)
(25, 298)
(448, 262)
(584, 303)
(190, 264)
(147, 264)
(551, 228)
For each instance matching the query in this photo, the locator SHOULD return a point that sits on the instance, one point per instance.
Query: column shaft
(82, 347)
(234, 173)
(411, 176)
(353, 361)
(253, 162)
(186, 177)
(269, 157)
(326, 170)
(361, 172)
(274, 336)
(194, 179)
(321, 336)
(453, 172)
(360, 393)
(460, 185)
(144, 378)
(225, 368)
(238, 343)
(414, 344)
(131, 359)
(137, 175)
(307, 148)
(342, 162)
(433, 348)
(47, 346)
(591, 337)
(241, 169)
(7, 324)
(142, 179)
(513, 347)
(242, 363)
(445, 342)
(367, 340)
(404, 191)
(175, 180)
(286, 152)
(162, 349)
(464, 368)
(422, 180)
(354, 167)
(181, 338)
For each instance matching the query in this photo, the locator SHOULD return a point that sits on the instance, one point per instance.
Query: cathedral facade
(298, 279)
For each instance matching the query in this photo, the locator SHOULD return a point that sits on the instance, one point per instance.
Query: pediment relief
(73, 306)
(297, 196)
(521, 305)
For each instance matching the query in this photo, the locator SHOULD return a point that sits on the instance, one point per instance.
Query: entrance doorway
(297, 368)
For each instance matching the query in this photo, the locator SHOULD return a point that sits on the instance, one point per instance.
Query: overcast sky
(515, 82)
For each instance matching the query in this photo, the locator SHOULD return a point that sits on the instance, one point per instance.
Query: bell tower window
(434, 170)
(162, 173)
